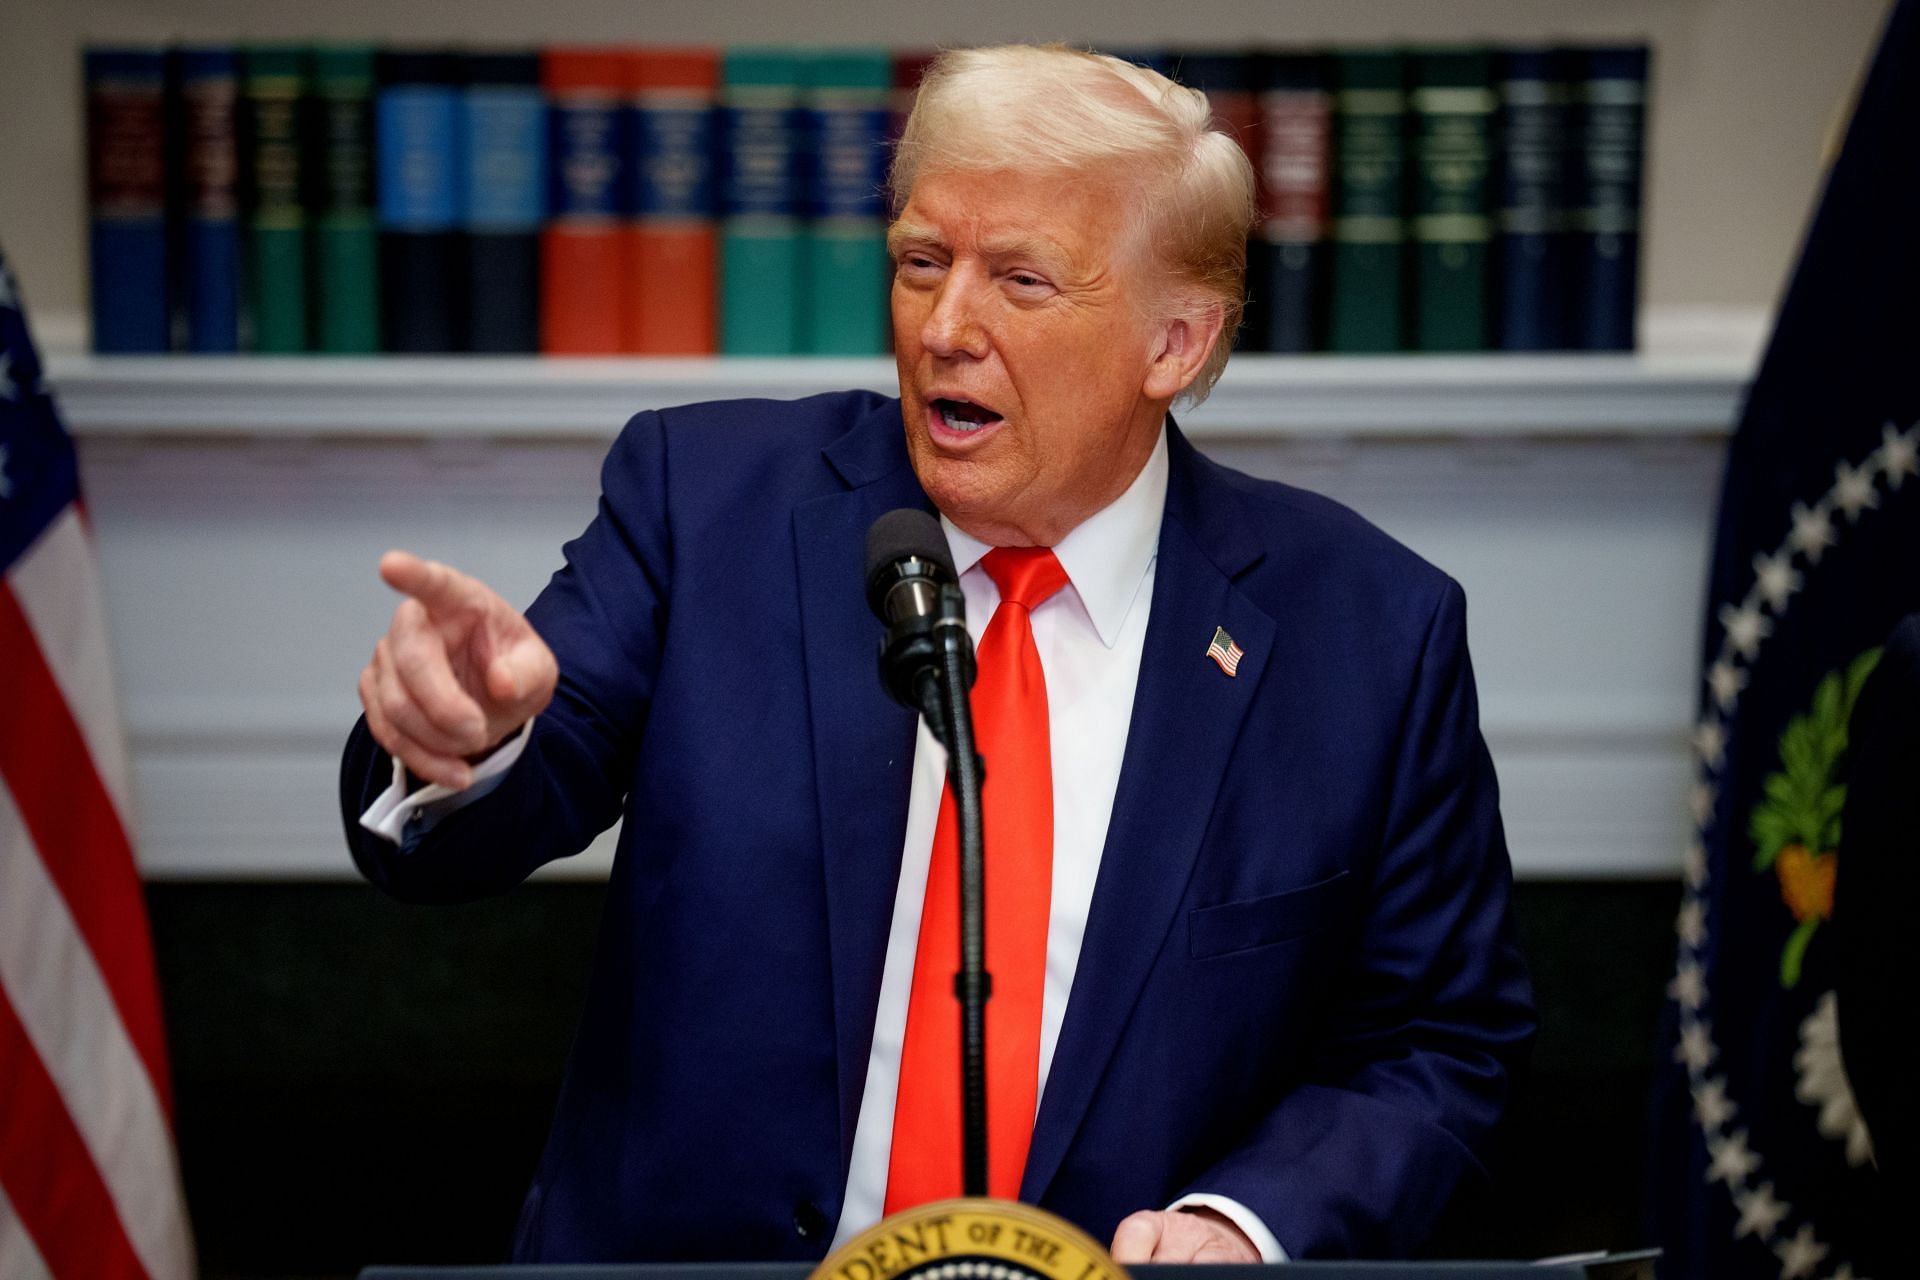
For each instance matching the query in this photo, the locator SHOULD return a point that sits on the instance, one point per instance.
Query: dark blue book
(1612, 136)
(127, 199)
(417, 130)
(1533, 244)
(505, 135)
(1289, 266)
(206, 124)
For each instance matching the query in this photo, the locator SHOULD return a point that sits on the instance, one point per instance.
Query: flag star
(1711, 1104)
(1689, 985)
(1812, 531)
(1694, 864)
(1760, 1212)
(1696, 1049)
(1899, 454)
(1801, 1255)
(1726, 681)
(1843, 1272)
(1853, 489)
(1730, 1160)
(1777, 578)
(1747, 626)
(1700, 799)
(1710, 742)
(1692, 924)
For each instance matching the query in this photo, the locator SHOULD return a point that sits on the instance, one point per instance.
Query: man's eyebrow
(902, 234)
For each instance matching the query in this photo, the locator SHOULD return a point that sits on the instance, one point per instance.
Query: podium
(1618, 1266)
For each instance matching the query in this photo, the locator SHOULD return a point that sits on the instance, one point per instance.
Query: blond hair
(1049, 107)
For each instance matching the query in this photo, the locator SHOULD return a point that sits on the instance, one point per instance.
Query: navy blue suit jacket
(1298, 987)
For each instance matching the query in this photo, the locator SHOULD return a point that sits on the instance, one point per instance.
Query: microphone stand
(972, 985)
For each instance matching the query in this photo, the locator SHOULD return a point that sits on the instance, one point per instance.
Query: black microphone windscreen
(905, 532)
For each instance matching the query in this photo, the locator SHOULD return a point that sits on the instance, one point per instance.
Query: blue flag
(1762, 1166)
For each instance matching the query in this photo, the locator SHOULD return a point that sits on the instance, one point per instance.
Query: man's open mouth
(963, 415)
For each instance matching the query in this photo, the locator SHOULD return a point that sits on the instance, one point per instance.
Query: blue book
(206, 120)
(1532, 245)
(1613, 113)
(127, 199)
(504, 129)
(417, 132)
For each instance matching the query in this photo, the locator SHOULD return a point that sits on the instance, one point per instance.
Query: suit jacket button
(808, 1221)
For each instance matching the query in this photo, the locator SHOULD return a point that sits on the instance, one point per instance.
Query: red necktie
(1010, 726)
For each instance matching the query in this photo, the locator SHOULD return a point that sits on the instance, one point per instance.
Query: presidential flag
(89, 1184)
(1762, 1166)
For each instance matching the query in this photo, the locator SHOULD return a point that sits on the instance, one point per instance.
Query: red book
(583, 250)
(671, 273)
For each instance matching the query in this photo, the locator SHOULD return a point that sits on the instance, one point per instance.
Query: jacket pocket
(1261, 922)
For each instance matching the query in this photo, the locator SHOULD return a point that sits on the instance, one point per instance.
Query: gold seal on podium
(971, 1239)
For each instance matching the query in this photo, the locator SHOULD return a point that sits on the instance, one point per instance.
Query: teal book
(274, 81)
(346, 241)
(847, 109)
(1453, 111)
(763, 200)
(1367, 268)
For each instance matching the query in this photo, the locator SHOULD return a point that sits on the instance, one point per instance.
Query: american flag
(89, 1182)
(1225, 652)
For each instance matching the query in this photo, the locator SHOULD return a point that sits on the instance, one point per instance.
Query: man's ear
(1181, 346)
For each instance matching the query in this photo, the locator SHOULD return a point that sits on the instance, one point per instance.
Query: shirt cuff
(399, 813)
(1240, 1216)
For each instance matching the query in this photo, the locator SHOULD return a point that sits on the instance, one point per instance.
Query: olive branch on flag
(1796, 829)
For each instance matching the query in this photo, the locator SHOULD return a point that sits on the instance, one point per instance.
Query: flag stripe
(66, 1015)
(19, 1259)
(65, 807)
(47, 1174)
(57, 583)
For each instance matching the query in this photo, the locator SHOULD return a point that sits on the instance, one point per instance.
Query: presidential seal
(971, 1239)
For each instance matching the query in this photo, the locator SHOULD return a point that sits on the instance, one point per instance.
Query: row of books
(605, 200)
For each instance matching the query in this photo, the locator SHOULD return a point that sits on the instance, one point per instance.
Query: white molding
(1684, 393)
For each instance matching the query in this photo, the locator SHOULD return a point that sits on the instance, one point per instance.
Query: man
(1256, 990)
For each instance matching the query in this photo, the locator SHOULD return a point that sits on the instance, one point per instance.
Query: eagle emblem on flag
(1225, 652)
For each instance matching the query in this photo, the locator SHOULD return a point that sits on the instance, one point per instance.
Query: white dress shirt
(1090, 636)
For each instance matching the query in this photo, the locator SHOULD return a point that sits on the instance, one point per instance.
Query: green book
(1367, 270)
(346, 248)
(762, 247)
(1453, 104)
(848, 106)
(274, 85)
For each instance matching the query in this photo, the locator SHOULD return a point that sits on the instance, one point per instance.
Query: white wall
(1745, 92)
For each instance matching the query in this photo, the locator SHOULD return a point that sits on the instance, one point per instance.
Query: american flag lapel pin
(1225, 652)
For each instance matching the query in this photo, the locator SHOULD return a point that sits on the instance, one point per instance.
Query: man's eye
(1026, 280)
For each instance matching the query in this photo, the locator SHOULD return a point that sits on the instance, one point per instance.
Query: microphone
(912, 588)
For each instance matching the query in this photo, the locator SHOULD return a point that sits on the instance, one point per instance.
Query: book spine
(210, 244)
(1453, 102)
(583, 251)
(1295, 166)
(908, 69)
(848, 113)
(417, 144)
(1366, 302)
(1227, 79)
(762, 199)
(504, 128)
(1613, 99)
(672, 243)
(346, 240)
(273, 92)
(1532, 241)
(127, 199)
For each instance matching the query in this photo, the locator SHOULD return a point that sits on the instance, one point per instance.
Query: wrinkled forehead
(1074, 214)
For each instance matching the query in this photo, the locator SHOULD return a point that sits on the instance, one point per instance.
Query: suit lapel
(1186, 715)
(863, 741)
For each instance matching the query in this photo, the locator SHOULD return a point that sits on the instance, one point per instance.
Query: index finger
(437, 586)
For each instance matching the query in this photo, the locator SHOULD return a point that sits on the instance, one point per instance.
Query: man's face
(1024, 351)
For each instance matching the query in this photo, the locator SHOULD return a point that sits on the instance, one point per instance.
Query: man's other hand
(458, 672)
(1180, 1235)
